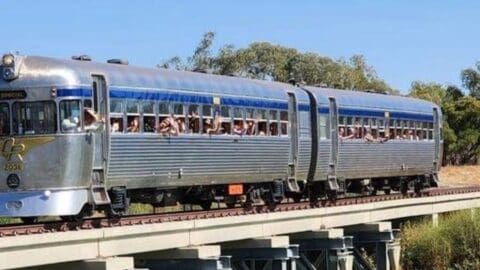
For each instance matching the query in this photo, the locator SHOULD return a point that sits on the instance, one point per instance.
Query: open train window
(148, 116)
(262, 122)
(226, 120)
(238, 121)
(250, 121)
(4, 119)
(193, 119)
(179, 114)
(116, 116)
(283, 123)
(133, 117)
(273, 121)
(207, 118)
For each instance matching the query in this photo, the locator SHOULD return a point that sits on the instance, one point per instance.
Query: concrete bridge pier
(189, 258)
(387, 247)
(266, 253)
(324, 249)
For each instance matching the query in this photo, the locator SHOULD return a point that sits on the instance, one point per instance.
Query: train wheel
(29, 220)
(404, 187)
(206, 205)
(230, 205)
(332, 195)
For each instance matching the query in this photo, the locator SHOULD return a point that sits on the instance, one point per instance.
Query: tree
(433, 92)
(267, 61)
(471, 80)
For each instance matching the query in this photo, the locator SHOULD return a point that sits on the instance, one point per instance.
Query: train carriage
(403, 145)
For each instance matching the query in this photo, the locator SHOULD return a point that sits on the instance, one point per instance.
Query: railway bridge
(293, 236)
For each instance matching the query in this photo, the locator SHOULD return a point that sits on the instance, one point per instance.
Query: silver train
(78, 135)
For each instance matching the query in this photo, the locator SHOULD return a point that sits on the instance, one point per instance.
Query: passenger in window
(193, 122)
(226, 128)
(250, 127)
(91, 120)
(134, 125)
(343, 135)
(115, 125)
(216, 125)
(273, 129)
(168, 126)
(181, 125)
(239, 129)
(369, 137)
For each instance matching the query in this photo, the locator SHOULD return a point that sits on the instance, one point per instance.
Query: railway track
(12, 230)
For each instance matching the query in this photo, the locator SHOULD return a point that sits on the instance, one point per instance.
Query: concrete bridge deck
(49, 248)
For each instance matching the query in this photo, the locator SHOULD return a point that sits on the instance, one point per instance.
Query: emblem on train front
(13, 151)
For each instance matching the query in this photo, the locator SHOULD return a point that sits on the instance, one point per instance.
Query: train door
(331, 177)
(436, 138)
(100, 104)
(293, 135)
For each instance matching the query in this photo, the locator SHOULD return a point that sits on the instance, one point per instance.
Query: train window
(226, 121)
(133, 117)
(283, 123)
(132, 107)
(349, 121)
(341, 120)
(262, 122)
(4, 119)
(324, 134)
(70, 116)
(115, 106)
(366, 122)
(38, 117)
(250, 114)
(273, 120)
(179, 115)
(207, 118)
(238, 122)
(116, 124)
(148, 116)
(87, 103)
(163, 109)
(193, 119)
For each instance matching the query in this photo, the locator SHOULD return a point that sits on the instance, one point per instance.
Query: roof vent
(82, 57)
(118, 61)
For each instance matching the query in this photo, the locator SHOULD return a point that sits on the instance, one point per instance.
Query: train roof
(63, 72)
(365, 100)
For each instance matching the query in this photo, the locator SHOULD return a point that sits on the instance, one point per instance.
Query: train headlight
(8, 60)
(13, 181)
(47, 194)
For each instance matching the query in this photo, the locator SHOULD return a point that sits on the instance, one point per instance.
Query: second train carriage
(240, 139)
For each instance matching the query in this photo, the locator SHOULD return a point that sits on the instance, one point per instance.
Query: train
(78, 136)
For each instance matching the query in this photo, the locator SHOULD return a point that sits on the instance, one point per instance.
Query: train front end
(46, 156)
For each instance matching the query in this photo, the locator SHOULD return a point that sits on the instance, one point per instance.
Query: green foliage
(266, 61)
(451, 245)
(471, 80)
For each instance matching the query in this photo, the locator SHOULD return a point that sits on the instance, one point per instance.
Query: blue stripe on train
(76, 92)
(257, 103)
(381, 114)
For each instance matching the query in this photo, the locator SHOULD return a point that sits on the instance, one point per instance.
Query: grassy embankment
(453, 244)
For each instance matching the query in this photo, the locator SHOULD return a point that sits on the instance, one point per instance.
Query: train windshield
(4, 119)
(37, 117)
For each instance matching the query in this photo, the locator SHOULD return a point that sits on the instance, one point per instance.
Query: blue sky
(404, 40)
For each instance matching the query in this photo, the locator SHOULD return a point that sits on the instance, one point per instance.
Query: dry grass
(460, 175)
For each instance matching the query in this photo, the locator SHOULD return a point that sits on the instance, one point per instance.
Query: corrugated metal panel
(135, 156)
(363, 160)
